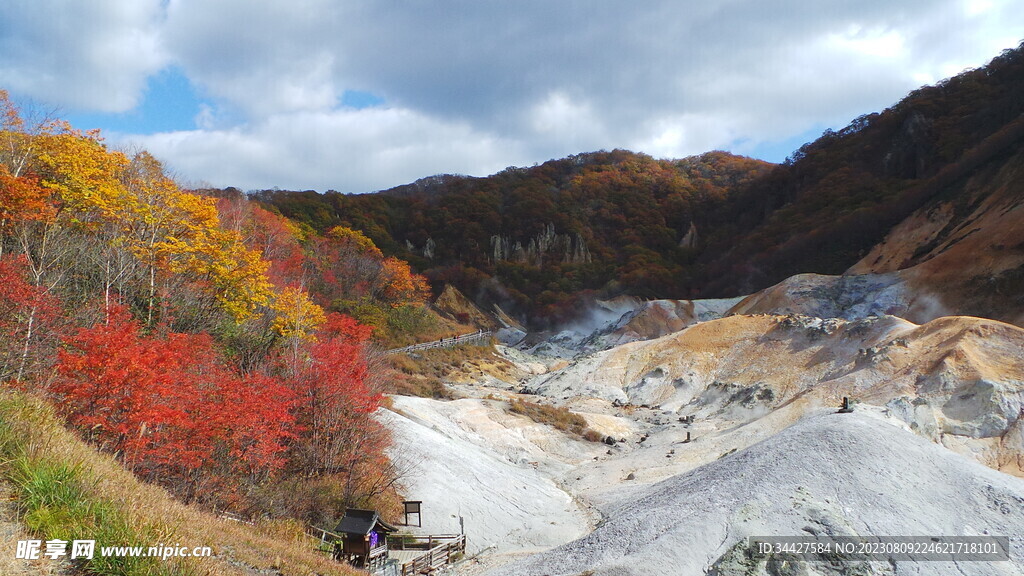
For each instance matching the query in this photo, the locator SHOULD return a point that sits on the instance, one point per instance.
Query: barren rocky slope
(725, 429)
(965, 249)
(834, 474)
(957, 380)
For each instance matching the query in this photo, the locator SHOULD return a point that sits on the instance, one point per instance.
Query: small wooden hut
(364, 541)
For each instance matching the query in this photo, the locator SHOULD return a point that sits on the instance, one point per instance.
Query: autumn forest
(195, 337)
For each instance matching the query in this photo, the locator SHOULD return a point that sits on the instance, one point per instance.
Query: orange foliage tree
(22, 200)
(396, 284)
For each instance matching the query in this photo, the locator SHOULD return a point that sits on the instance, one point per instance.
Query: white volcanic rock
(834, 474)
(495, 470)
(714, 308)
(726, 429)
(955, 380)
(624, 320)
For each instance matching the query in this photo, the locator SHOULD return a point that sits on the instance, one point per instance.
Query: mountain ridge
(713, 225)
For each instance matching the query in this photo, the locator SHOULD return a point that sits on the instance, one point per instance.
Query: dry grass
(418, 324)
(559, 418)
(151, 513)
(422, 386)
(439, 362)
(424, 372)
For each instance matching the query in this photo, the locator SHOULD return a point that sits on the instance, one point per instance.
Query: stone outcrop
(428, 248)
(454, 305)
(690, 238)
(544, 248)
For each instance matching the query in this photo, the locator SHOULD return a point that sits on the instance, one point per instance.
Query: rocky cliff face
(966, 249)
(453, 305)
(427, 251)
(545, 247)
(908, 156)
(689, 239)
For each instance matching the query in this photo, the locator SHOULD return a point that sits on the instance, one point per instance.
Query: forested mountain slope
(540, 240)
(838, 197)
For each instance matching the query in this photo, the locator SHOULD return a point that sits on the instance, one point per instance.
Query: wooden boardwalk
(403, 557)
(440, 550)
(445, 342)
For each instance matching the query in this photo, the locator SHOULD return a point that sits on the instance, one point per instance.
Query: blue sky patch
(169, 103)
(358, 99)
(778, 151)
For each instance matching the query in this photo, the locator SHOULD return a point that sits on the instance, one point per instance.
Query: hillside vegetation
(212, 347)
(539, 241)
(837, 197)
(66, 490)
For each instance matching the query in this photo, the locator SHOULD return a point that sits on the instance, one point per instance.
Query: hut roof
(362, 522)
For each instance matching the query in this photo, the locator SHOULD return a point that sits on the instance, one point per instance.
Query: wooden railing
(233, 517)
(326, 538)
(440, 551)
(444, 342)
(378, 556)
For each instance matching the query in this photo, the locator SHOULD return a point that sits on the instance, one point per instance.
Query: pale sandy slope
(495, 470)
(851, 474)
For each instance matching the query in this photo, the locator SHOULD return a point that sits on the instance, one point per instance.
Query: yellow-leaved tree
(154, 233)
(297, 315)
(172, 231)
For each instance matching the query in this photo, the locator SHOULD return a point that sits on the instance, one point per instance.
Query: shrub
(557, 417)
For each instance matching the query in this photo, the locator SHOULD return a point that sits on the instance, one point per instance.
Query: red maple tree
(167, 404)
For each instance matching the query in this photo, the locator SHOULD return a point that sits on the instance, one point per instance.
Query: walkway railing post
(446, 343)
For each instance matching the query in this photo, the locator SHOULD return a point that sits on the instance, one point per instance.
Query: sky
(362, 95)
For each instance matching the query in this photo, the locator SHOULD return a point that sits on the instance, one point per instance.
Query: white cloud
(92, 55)
(976, 7)
(206, 118)
(682, 135)
(566, 123)
(346, 150)
(265, 58)
(474, 86)
(878, 43)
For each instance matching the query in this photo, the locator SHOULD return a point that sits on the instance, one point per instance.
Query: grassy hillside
(63, 489)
